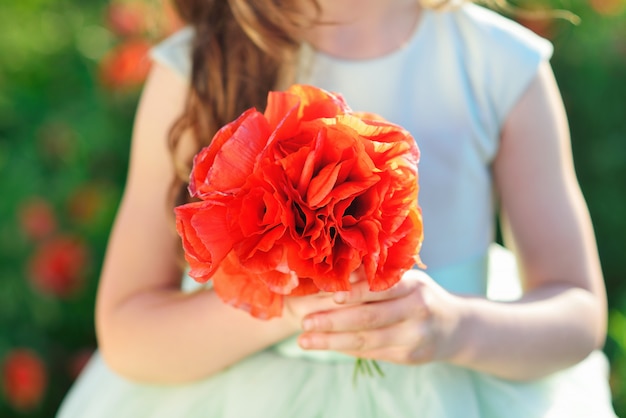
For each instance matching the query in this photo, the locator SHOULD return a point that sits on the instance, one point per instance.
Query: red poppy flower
(126, 66)
(127, 18)
(295, 199)
(24, 379)
(58, 266)
(37, 218)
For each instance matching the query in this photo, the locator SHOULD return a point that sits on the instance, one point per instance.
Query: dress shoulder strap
(175, 52)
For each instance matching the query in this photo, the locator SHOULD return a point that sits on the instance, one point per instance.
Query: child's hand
(415, 321)
(296, 308)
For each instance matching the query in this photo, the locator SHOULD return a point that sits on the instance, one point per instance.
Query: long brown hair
(241, 50)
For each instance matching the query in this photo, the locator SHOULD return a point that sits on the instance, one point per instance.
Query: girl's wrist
(292, 321)
(452, 339)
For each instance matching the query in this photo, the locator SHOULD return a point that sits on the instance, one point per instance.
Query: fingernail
(340, 297)
(304, 342)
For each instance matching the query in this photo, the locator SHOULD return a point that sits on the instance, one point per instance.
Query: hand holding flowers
(294, 200)
(415, 321)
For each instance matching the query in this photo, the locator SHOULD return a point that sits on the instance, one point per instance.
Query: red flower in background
(127, 65)
(297, 198)
(58, 266)
(127, 18)
(138, 18)
(36, 218)
(24, 379)
(138, 24)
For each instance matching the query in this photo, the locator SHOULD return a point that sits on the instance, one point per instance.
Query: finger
(361, 293)
(357, 317)
(345, 341)
(358, 342)
(321, 304)
(301, 306)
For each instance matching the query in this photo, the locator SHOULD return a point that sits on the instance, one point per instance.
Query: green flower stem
(366, 367)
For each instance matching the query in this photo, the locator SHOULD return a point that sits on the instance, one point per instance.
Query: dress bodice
(451, 85)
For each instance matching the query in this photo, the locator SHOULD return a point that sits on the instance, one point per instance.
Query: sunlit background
(70, 75)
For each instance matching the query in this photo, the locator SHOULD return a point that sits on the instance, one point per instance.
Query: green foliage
(64, 140)
(590, 65)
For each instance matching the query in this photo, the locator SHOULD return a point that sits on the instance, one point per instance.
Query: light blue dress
(452, 85)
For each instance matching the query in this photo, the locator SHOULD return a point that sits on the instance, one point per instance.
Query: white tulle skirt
(284, 381)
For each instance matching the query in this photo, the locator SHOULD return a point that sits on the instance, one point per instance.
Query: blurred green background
(70, 76)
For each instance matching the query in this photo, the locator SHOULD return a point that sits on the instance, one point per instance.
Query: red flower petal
(321, 186)
(364, 237)
(282, 109)
(227, 162)
(207, 236)
(298, 167)
(260, 253)
(285, 111)
(237, 287)
(280, 282)
(305, 287)
(401, 256)
(317, 103)
(333, 273)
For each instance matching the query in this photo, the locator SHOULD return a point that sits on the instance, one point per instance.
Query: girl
(478, 94)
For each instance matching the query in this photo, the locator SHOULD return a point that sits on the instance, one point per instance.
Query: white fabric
(175, 52)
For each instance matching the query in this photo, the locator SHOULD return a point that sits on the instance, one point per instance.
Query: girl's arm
(147, 328)
(562, 316)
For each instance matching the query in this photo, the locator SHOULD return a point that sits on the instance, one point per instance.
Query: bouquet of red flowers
(293, 200)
